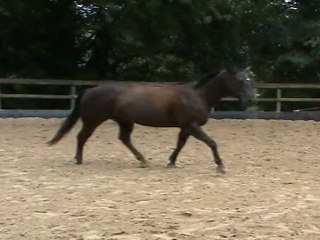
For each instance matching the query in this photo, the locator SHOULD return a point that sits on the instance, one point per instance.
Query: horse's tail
(69, 123)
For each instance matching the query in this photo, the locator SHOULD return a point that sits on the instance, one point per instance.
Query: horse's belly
(157, 124)
(153, 120)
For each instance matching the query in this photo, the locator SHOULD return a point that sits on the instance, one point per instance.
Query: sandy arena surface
(271, 190)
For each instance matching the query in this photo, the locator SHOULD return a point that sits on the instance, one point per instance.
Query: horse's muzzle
(244, 104)
(252, 101)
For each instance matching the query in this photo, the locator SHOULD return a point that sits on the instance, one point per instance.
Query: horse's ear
(247, 69)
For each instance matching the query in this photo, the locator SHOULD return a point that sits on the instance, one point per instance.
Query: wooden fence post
(278, 100)
(73, 93)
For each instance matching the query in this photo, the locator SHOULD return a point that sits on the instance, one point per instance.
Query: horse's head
(239, 84)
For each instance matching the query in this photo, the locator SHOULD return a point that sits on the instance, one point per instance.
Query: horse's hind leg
(83, 136)
(182, 139)
(125, 137)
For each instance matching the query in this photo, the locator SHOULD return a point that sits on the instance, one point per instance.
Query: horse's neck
(211, 92)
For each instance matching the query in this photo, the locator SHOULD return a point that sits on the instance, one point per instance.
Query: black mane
(206, 79)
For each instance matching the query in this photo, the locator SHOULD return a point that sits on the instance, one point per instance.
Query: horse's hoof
(144, 165)
(78, 161)
(171, 165)
(221, 169)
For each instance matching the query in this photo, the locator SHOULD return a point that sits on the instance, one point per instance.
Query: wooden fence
(74, 84)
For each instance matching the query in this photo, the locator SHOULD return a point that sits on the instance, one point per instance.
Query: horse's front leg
(196, 131)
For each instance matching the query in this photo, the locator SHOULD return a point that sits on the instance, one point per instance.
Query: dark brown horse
(186, 106)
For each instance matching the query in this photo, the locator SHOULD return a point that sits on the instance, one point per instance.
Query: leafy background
(157, 40)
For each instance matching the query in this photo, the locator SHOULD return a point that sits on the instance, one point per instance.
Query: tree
(163, 40)
(37, 38)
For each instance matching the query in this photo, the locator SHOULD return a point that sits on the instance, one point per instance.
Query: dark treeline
(159, 40)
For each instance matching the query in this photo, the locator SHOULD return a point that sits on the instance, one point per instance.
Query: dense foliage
(162, 40)
(159, 39)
